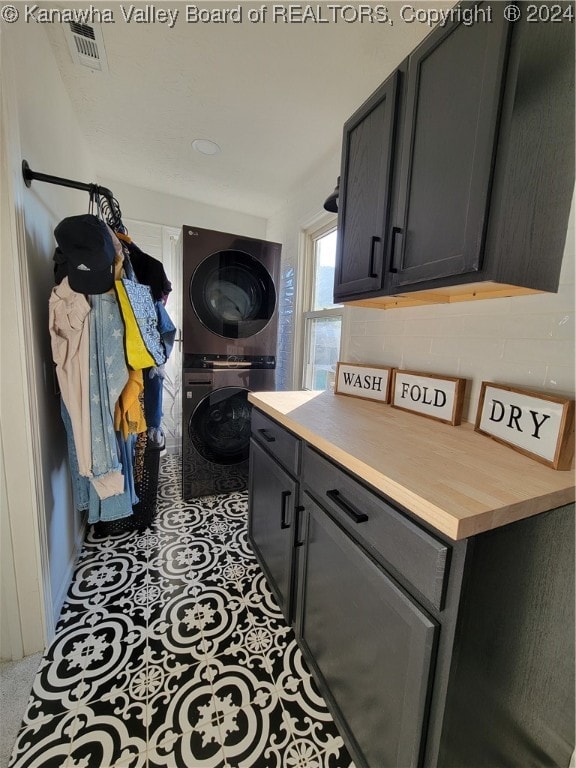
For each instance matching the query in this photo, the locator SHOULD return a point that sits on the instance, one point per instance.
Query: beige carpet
(16, 678)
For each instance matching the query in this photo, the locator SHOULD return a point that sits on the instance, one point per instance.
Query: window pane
(324, 346)
(324, 263)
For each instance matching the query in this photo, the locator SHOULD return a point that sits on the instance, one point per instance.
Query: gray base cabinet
(369, 640)
(273, 504)
(430, 652)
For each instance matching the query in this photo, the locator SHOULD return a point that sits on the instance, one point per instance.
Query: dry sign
(366, 381)
(536, 424)
(437, 397)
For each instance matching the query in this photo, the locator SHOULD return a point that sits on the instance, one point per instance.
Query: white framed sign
(369, 382)
(536, 424)
(428, 394)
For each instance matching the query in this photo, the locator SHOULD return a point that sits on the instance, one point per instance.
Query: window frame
(321, 226)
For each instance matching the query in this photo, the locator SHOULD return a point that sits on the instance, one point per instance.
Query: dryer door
(233, 294)
(219, 426)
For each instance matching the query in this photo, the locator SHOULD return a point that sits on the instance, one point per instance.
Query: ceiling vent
(86, 45)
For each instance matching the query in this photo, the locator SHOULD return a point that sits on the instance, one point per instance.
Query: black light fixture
(331, 202)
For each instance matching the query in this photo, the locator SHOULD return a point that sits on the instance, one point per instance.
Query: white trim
(316, 222)
(67, 579)
(22, 464)
(313, 228)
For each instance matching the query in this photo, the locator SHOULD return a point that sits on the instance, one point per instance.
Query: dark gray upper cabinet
(364, 200)
(464, 188)
(453, 99)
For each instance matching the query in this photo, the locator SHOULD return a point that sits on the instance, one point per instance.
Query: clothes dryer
(230, 297)
(216, 428)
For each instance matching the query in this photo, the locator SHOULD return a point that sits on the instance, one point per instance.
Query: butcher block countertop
(460, 482)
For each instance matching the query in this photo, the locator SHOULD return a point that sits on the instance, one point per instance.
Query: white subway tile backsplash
(568, 268)
(480, 349)
(363, 349)
(529, 326)
(486, 326)
(549, 351)
(538, 303)
(379, 327)
(561, 379)
(431, 326)
(357, 328)
(391, 325)
(393, 350)
(562, 325)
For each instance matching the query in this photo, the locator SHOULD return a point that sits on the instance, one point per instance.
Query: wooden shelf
(450, 295)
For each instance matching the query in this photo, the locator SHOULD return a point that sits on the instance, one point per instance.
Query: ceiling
(274, 96)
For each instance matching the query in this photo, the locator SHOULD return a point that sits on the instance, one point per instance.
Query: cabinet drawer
(407, 551)
(277, 440)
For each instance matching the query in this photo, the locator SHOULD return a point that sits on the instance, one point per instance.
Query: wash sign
(365, 381)
(537, 424)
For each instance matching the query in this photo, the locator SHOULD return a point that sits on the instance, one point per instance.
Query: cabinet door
(453, 95)
(364, 194)
(271, 522)
(370, 642)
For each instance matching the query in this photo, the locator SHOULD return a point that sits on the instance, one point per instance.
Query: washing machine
(230, 303)
(216, 427)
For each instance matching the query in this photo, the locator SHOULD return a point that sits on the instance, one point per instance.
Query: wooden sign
(370, 382)
(437, 397)
(536, 424)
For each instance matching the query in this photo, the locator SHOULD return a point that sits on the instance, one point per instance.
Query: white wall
(172, 211)
(285, 227)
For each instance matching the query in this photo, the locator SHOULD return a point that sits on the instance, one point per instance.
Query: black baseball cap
(85, 245)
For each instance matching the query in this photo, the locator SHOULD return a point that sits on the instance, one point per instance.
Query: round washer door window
(219, 428)
(233, 294)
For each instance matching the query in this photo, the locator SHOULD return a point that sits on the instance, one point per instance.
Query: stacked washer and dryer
(230, 326)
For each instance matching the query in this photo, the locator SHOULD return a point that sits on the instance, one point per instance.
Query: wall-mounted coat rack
(110, 207)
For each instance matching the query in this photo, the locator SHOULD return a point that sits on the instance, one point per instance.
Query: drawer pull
(345, 506)
(267, 436)
(285, 496)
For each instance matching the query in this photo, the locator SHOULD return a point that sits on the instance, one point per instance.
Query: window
(322, 319)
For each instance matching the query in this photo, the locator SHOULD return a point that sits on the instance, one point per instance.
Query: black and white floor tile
(171, 652)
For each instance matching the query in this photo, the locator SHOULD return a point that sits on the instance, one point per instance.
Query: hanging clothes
(108, 377)
(154, 380)
(128, 413)
(83, 492)
(103, 401)
(149, 271)
(69, 325)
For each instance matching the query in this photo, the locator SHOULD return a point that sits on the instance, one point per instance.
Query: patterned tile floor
(171, 651)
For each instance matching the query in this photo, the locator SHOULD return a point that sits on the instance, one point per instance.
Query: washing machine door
(233, 294)
(219, 426)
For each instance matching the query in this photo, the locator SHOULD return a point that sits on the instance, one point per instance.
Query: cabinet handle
(347, 507)
(395, 232)
(285, 496)
(269, 438)
(374, 241)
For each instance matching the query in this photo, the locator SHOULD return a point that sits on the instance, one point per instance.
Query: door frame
(26, 589)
